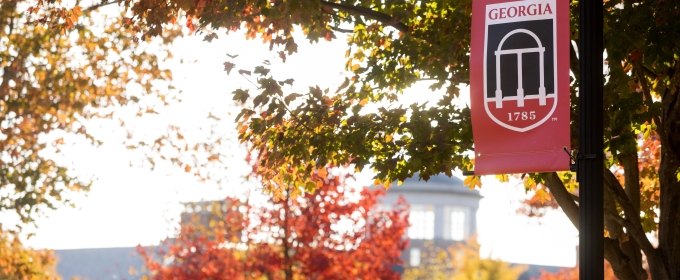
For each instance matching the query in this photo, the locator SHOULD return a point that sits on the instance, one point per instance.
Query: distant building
(443, 211)
(99, 263)
(201, 213)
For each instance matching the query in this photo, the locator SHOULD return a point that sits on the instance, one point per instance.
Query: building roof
(436, 184)
(99, 263)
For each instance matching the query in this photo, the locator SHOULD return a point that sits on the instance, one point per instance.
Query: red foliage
(295, 237)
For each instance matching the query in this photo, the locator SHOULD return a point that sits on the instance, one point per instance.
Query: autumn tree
(60, 70)
(333, 232)
(20, 263)
(63, 65)
(394, 44)
(462, 262)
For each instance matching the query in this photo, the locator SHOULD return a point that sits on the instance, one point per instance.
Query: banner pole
(590, 159)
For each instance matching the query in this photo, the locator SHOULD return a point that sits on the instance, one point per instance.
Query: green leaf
(241, 95)
(291, 97)
(261, 70)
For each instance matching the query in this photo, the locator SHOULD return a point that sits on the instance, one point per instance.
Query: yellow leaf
(472, 182)
(542, 195)
(377, 182)
(355, 67)
(363, 102)
(388, 138)
(503, 178)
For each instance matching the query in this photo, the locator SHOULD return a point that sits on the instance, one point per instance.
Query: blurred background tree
(20, 263)
(60, 70)
(462, 262)
(334, 232)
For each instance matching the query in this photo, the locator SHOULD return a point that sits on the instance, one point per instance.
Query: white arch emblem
(520, 90)
(520, 97)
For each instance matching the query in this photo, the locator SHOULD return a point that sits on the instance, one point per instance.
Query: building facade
(443, 211)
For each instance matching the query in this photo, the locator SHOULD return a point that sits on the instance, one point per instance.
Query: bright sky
(129, 205)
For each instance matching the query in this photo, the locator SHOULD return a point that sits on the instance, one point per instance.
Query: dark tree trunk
(287, 262)
(632, 187)
(669, 218)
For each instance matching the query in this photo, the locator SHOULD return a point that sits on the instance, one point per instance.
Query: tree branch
(573, 59)
(102, 4)
(614, 228)
(617, 259)
(632, 221)
(563, 197)
(628, 253)
(368, 13)
(341, 30)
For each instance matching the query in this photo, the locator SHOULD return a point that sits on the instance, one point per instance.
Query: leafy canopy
(61, 68)
(392, 45)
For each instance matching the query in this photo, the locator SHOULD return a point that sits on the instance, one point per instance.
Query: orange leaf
(242, 129)
(323, 173)
(77, 10)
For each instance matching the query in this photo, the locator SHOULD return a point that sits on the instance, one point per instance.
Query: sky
(130, 205)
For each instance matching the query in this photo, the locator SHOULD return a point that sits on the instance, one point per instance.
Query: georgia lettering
(520, 11)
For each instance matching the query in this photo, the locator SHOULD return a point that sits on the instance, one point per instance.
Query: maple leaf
(210, 37)
(329, 35)
(77, 10)
(228, 66)
(635, 55)
(261, 70)
(323, 173)
(286, 81)
(472, 182)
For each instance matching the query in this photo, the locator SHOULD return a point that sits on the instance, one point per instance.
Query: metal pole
(590, 161)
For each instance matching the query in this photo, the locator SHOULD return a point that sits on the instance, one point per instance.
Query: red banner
(519, 85)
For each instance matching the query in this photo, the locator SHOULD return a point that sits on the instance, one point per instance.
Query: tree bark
(287, 262)
(632, 188)
(669, 205)
(368, 13)
(618, 260)
(657, 267)
(624, 266)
